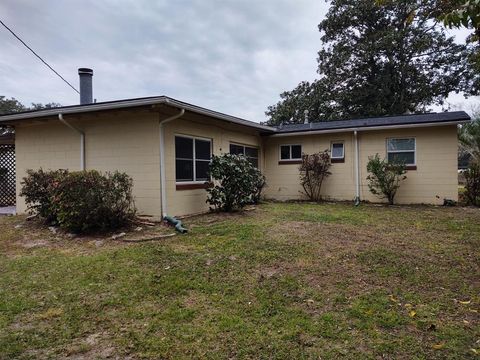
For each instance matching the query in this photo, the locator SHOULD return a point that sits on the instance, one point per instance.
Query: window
(290, 152)
(250, 152)
(402, 150)
(338, 151)
(192, 156)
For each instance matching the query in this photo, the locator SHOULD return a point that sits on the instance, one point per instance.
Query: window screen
(250, 152)
(402, 150)
(338, 151)
(296, 152)
(285, 152)
(192, 157)
(290, 152)
(236, 149)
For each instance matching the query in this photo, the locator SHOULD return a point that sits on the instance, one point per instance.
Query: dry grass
(283, 281)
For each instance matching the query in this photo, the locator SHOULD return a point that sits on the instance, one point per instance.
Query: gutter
(163, 177)
(370, 128)
(122, 104)
(82, 140)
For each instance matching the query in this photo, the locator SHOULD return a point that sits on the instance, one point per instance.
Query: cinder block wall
(435, 178)
(123, 141)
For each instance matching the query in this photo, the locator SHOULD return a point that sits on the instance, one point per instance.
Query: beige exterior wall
(112, 143)
(182, 202)
(436, 176)
(48, 145)
(434, 179)
(129, 141)
(283, 179)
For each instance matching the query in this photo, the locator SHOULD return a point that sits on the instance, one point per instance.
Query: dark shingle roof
(430, 118)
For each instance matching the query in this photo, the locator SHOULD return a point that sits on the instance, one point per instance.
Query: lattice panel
(7, 175)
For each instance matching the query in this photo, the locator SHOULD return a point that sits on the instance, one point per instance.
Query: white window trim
(290, 152)
(194, 159)
(404, 151)
(343, 149)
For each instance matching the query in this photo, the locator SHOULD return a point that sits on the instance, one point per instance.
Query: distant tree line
(12, 105)
(386, 57)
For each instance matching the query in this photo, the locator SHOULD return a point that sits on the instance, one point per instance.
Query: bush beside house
(81, 202)
(472, 185)
(235, 183)
(314, 169)
(384, 177)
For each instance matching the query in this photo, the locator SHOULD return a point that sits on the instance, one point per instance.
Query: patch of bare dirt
(18, 235)
(93, 346)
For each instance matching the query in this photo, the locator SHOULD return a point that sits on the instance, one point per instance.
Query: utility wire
(38, 56)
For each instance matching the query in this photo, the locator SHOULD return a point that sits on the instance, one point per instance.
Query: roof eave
(370, 128)
(8, 119)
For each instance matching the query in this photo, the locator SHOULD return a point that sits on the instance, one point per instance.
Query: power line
(38, 56)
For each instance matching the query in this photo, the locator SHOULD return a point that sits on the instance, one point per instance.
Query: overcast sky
(233, 56)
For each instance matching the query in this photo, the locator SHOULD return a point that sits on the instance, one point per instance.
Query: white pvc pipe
(82, 140)
(163, 178)
(357, 168)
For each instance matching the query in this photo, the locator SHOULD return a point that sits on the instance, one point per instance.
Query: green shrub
(313, 170)
(472, 184)
(37, 188)
(384, 177)
(81, 202)
(235, 182)
(259, 183)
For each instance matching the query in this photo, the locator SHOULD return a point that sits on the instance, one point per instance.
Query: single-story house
(165, 145)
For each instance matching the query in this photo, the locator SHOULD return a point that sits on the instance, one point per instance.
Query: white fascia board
(133, 103)
(371, 128)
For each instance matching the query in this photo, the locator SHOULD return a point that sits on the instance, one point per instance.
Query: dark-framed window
(402, 150)
(192, 157)
(250, 152)
(290, 152)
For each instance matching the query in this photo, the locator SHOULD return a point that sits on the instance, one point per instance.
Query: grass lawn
(284, 281)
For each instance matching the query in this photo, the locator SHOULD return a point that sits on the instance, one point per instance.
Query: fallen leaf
(51, 313)
(466, 322)
(412, 313)
(438, 346)
(465, 302)
(392, 298)
(408, 306)
(475, 351)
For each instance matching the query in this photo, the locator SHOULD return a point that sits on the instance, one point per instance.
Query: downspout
(163, 178)
(357, 170)
(82, 140)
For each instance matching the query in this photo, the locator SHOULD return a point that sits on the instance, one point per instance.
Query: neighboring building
(165, 145)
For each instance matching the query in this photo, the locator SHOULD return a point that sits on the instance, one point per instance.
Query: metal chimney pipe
(86, 90)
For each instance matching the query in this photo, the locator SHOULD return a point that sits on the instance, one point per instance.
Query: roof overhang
(369, 128)
(131, 103)
(152, 102)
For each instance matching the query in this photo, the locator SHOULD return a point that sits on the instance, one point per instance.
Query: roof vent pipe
(86, 90)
